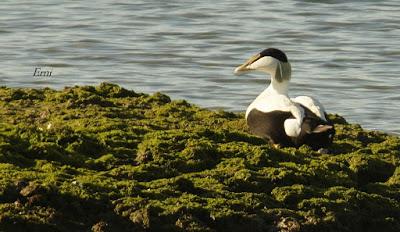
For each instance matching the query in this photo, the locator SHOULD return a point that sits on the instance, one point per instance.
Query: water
(345, 53)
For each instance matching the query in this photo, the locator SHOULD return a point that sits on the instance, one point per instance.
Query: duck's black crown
(276, 53)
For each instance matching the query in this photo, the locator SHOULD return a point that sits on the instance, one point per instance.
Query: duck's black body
(270, 126)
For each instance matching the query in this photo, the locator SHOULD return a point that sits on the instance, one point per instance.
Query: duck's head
(272, 61)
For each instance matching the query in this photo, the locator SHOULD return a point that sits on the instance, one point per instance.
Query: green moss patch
(109, 159)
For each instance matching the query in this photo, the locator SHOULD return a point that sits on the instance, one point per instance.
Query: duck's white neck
(265, 101)
(277, 87)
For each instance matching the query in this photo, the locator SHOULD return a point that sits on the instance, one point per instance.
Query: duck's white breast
(267, 103)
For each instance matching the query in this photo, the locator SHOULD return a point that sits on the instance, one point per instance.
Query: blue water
(345, 53)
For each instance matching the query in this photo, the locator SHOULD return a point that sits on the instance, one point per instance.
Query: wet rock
(323, 151)
(36, 199)
(141, 217)
(20, 184)
(18, 203)
(101, 226)
(191, 223)
(31, 189)
(288, 225)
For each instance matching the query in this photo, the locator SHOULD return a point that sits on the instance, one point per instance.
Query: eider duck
(276, 117)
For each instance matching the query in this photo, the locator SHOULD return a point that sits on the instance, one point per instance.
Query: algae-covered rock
(105, 158)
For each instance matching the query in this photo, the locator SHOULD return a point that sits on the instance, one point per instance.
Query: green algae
(109, 159)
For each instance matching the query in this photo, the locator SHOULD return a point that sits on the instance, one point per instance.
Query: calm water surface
(345, 53)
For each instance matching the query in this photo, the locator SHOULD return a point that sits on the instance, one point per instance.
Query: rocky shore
(105, 158)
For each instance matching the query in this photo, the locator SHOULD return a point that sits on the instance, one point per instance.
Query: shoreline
(104, 158)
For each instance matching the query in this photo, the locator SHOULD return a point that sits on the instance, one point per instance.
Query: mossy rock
(370, 169)
(104, 158)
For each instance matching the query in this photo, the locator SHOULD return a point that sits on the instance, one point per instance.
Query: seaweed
(104, 158)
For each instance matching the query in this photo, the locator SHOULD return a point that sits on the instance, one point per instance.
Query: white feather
(292, 127)
(312, 104)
